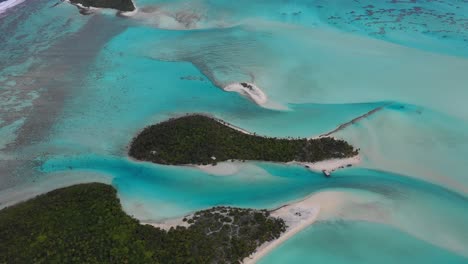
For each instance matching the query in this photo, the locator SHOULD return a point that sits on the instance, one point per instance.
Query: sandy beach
(297, 216)
(222, 168)
(330, 165)
(226, 168)
(301, 214)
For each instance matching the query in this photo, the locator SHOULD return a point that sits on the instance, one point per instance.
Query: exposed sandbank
(248, 90)
(297, 216)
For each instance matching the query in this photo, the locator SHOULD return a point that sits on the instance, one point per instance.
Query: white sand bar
(248, 90)
(297, 216)
(331, 164)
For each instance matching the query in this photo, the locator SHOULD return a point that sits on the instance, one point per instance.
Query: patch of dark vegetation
(85, 224)
(246, 85)
(198, 139)
(121, 5)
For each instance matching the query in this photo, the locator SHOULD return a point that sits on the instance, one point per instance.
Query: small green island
(85, 224)
(202, 140)
(121, 5)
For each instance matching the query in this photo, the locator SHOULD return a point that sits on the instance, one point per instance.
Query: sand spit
(353, 121)
(248, 90)
(297, 216)
(331, 165)
(301, 214)
(222, 168)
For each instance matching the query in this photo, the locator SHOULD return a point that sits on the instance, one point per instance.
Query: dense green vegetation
(85, 224)
(121, 5)
(198, 139)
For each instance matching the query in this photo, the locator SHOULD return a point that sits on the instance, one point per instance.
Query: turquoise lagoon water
(75, 89)
(357, 242)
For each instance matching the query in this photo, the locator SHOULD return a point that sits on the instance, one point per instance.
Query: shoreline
(330, 165)
(355, 120)
(227, 168)
(297, 216)
(230, 167)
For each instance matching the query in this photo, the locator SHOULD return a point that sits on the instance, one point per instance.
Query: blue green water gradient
(357, 242)
(75, 90)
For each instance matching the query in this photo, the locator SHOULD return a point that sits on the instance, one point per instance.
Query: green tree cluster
(198, 139)
(85, 224)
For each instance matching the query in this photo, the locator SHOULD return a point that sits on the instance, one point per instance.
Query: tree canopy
(86, 224)
(199, 139)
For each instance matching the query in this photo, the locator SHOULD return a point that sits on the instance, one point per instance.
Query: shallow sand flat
(134, 75)
(323, 66)
(415, 141)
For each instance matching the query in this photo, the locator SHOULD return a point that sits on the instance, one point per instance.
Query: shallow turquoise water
(155, 192)
(75, 89)
(357, 242)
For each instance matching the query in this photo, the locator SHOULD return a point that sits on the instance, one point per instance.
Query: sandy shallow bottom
(76, 89)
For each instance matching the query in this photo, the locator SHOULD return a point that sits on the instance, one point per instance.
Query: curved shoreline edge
(199, 139)
(320, 166)
(68, 221)
(296, 215)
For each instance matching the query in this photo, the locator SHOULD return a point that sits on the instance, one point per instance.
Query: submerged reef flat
(199, 139)
(85, 224)
(121, 5)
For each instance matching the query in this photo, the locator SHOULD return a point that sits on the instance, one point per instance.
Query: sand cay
(248, 90)
(297, 216)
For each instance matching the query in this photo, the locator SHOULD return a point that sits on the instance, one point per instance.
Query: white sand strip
(222, 168)
(297, 216)
(331, 164)
(9, 4)
(248, 90)
(230, 125)
(167, 224)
